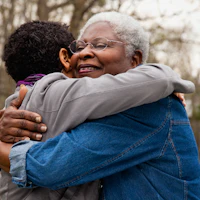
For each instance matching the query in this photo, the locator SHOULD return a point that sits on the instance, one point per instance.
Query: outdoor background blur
(173, 26)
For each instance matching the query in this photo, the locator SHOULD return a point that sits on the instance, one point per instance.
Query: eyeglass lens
(97, 44)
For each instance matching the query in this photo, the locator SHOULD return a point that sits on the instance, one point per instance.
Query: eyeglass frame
(92, 46)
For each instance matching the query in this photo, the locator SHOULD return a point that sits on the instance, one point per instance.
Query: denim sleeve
(18, 162)
(89, 152)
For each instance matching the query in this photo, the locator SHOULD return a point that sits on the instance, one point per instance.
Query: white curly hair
(126, 28)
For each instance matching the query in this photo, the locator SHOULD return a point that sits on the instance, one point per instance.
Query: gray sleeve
(76, 100)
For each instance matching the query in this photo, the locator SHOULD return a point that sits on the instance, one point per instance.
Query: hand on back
(16, 125)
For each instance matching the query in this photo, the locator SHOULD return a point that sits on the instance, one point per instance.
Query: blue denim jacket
(147, 152)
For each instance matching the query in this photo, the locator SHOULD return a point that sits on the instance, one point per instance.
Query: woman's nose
(86, 53)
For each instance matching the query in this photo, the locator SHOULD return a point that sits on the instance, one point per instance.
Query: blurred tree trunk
(80, 9)
(7, 15)
(43, 10)
(7, 86)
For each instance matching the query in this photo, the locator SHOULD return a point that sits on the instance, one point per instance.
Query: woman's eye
(79, 48)
(100, 45)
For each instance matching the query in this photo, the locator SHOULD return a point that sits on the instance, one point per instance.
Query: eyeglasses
(98, 44)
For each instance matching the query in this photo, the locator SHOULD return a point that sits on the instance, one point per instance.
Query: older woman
(139, 153)
(22, 59)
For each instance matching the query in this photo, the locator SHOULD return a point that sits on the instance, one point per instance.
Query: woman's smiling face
(94, 63)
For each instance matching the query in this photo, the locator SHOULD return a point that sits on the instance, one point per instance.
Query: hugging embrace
(115, 129)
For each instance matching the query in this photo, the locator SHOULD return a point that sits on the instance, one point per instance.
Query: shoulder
(50, 78)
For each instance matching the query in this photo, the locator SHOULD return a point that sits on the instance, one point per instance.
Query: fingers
(16, 125)
(13, 113)
(18, 101)
(14, 139)
(13, 130)
(11, 139)
(22, 92)
(21, 127)
(181, 96)
(184, 102)
(14, 135)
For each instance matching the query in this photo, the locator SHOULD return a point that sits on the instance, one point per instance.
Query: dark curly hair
(34, 48)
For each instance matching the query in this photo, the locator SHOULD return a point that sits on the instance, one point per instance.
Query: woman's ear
(65, 61)
(137, 58)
